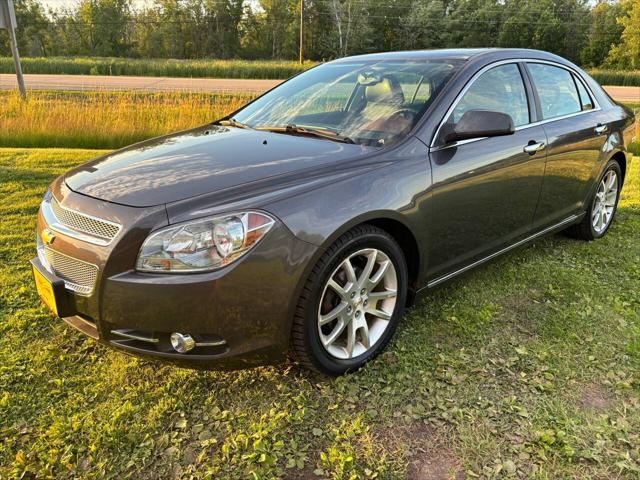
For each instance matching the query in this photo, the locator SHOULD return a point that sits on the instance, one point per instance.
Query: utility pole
(8, 21)
(301, 32)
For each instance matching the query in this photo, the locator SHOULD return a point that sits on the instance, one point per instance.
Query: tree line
(606, 33)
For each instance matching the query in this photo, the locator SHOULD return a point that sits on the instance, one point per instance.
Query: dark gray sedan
(306, 222)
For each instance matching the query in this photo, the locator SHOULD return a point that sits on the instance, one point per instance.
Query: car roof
(453, 53)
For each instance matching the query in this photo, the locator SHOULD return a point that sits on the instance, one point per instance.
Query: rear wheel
(351, 303)
(602, 209)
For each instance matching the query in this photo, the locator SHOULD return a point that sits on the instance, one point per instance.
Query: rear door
(485, 190)
(576, 130)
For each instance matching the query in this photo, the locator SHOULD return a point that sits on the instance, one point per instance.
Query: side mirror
(481, 123)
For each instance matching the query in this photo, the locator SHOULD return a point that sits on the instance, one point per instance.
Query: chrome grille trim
(78, 276)
(78, 225)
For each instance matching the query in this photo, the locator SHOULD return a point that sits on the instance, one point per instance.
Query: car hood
(199, 161)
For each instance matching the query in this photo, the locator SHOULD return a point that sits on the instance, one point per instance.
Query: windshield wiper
(232, 122)
(311, 131)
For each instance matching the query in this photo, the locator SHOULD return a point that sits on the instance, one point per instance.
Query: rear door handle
(600, 129)
(532, 148)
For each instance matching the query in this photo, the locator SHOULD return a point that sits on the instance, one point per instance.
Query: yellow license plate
(45, 290)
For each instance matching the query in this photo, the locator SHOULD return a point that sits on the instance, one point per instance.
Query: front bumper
(240, 316)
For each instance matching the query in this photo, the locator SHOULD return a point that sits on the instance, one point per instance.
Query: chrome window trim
(447, 276)
(56, 225)
(486, 68)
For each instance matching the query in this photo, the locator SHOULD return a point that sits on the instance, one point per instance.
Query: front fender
(397, 191)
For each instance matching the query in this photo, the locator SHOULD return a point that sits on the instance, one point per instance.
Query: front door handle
(533, 148)
(600, 129)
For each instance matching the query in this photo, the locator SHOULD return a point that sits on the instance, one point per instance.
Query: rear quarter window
(556, 89)
(585, 98)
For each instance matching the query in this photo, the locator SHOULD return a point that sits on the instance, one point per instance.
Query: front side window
(367, 102)
(500, 89)
(556, 89)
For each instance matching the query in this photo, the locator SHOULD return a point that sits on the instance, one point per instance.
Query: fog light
(182, 342)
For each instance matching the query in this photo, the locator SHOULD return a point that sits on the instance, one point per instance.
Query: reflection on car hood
(199, 161)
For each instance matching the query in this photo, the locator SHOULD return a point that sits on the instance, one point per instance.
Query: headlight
(204, 244)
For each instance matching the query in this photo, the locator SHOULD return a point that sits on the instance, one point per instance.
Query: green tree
(421, 26)
(318, 27)
(391, 23)
(473, 23)
(604, 32)
(627, 53)
(33, 30)
(554, 25)
(272, 29)
(105, 24)
(222, 27)
(351, 28)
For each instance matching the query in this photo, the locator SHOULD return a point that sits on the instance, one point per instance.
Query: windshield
(369, 103)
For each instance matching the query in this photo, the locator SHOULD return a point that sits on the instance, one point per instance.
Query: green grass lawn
(527, 368)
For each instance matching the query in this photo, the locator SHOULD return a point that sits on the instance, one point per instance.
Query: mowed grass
(206, 68)
(105, 119)
(528, 367)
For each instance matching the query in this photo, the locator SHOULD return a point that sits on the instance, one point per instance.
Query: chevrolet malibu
(305, 222)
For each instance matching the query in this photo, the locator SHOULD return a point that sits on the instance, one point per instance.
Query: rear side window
(585, 99)
(500, 89)
(556, 89)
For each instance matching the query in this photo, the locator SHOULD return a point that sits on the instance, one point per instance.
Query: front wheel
(602, 209)
(352, 302)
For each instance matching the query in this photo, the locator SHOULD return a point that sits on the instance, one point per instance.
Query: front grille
(78, 276)
(84, 223)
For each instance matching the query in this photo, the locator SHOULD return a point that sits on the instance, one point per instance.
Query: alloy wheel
(357, 303)
(604, 203)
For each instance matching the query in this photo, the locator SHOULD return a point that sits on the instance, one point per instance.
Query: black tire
(584, 230)
(305, 343)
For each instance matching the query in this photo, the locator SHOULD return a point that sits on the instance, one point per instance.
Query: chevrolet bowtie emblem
(47, 236)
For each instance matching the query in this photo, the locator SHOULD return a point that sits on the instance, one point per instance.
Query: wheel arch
(407, 241)
(621, 158)
(395, 225)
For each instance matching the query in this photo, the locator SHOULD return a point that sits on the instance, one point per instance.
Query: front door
(485, 190)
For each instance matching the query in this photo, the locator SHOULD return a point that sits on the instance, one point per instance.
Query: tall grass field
(625, 78)
(253, 69)
(211, 68)
(105, 119)
(116, 119)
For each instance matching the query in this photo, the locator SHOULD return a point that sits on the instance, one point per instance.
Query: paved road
(164, 84)
(624, 94)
